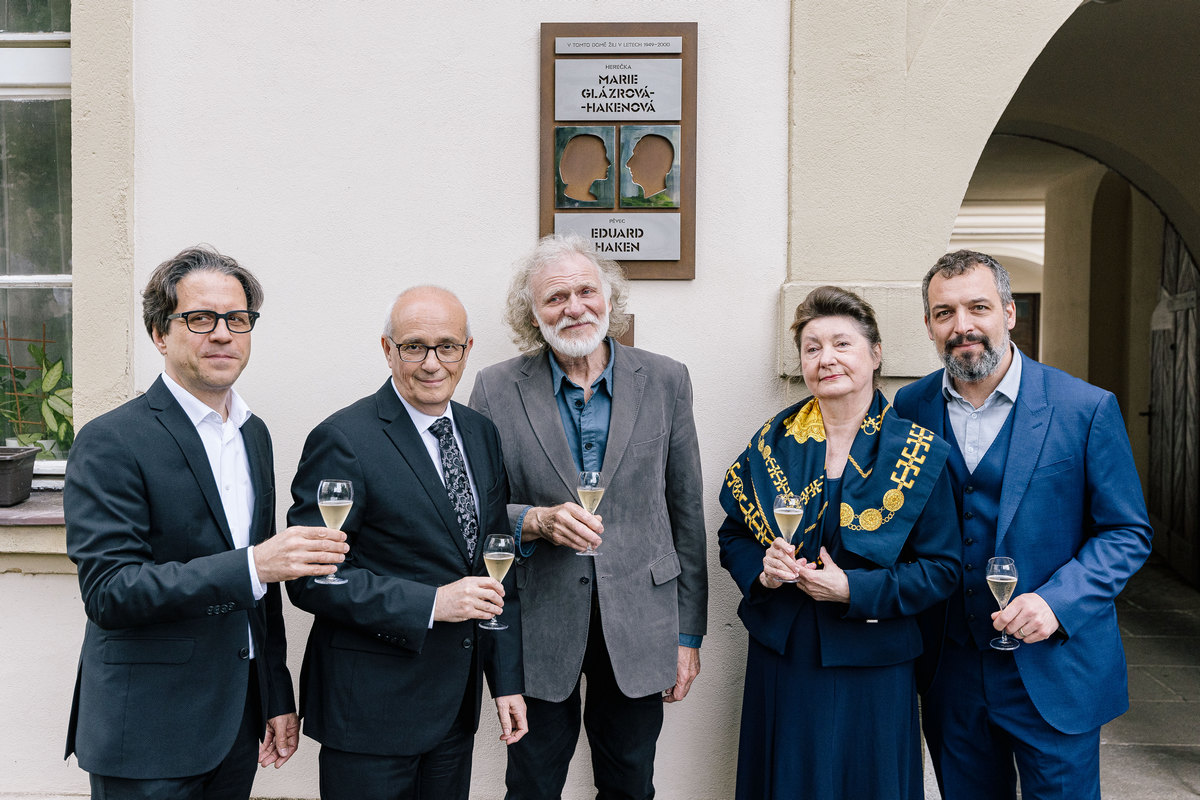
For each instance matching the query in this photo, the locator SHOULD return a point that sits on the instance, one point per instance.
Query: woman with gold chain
(830, 705)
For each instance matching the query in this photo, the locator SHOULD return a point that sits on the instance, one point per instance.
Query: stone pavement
(1152, 752)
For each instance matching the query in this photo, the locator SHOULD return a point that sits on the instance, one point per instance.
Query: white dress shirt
(230, 466)
(422, 421)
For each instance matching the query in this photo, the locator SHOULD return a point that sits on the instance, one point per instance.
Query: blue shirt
(585, 423)
(975, 428)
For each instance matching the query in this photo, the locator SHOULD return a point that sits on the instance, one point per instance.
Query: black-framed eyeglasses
(447, 352)
(205, 320)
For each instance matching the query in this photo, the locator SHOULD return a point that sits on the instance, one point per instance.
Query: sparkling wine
(335, 513)
(590, 498)
(497, 564)
(1002, 587)
(788, 519)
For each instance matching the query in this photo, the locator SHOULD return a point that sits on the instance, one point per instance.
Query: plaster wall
(345, 156)
(1066, 276)
(1146, 235)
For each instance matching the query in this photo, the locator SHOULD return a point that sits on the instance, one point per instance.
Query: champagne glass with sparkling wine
(1002, 580)
(591, 489)
(498, 552)
(789, 510)
(334, 499)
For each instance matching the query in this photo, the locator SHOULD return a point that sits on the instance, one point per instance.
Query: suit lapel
(398, 426)
(932, 411)
(1031, 422)
(629, 384)
(258, 454)
(541, 407)
(173, 418)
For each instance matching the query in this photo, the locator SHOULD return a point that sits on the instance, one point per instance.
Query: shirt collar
(198, 411)
(558, 376)
(420, 419)
(1009, 385)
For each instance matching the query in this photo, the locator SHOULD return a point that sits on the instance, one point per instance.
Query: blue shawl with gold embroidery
(892, 469)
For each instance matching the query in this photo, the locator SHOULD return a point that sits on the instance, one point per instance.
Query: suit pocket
(148, 651)
(665, 569)
(382, 644)
(1053, 468)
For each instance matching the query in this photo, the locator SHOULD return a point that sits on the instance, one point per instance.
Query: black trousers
(443, 773)
(232, 779)
(622, 733)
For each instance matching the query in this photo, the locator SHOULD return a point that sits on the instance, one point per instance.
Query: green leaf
(39, 355)
(51, 376)
(64, 430)
(49, 415)
(60, 405)
(66, 393)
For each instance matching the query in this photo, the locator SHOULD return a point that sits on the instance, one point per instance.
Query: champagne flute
(1002, 580)
(591, 489)
(789, 510)
(498, 552)
(334, 499)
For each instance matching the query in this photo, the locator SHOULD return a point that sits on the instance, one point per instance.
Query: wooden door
(1174, 432)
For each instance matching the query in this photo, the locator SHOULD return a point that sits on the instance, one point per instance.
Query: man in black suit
(391, 682)
(170, 511)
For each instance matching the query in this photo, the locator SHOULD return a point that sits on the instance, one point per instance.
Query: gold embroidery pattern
(904, 475)
(751, 509)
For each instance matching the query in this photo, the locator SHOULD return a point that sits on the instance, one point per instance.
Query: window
(35, 226)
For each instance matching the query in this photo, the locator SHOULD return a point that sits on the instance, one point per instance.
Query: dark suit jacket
(651, 579)
(377, 679)
(163, 674)
(1073, 518)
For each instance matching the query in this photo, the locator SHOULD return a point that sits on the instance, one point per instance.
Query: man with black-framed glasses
(170, 513)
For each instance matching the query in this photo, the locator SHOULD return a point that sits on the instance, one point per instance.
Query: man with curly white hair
(630, 619)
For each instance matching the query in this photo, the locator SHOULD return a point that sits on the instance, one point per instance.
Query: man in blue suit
(1043, 473)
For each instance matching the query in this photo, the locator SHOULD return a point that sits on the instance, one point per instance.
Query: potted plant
(38, 406)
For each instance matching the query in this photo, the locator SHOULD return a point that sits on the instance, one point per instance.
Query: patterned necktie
(454, 471)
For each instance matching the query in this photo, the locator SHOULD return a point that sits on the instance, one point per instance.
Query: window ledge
(33, 537)
(42, 508)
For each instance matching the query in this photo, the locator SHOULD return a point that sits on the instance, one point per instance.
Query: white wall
(345, 156)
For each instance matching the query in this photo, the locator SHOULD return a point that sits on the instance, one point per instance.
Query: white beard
(571, 346)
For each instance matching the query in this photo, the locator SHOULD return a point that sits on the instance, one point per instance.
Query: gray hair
(963, 261)
(161, 295)
(388, 330)
(518, 311)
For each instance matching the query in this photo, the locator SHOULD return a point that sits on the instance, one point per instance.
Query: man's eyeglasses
(447, 353)
(205, 320)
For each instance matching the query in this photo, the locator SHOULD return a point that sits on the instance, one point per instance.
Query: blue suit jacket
(1073, 518)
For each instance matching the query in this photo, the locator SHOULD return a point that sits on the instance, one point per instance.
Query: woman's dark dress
(810, 731)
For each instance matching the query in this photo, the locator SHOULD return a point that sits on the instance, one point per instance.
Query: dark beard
(972, 370)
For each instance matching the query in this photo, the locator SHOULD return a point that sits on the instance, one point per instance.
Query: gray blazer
(651, 576)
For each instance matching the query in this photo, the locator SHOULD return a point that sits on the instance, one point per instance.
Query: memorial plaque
(618, 141)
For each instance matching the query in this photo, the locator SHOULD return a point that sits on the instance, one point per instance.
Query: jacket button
(970, 617)
(970, 593)
(244, 653)
(968, 567)
(584, 581)
(968, 488)
(969, 542)
(466, 644)
(969, 515)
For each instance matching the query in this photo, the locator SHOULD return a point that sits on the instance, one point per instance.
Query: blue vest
(969, 616)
